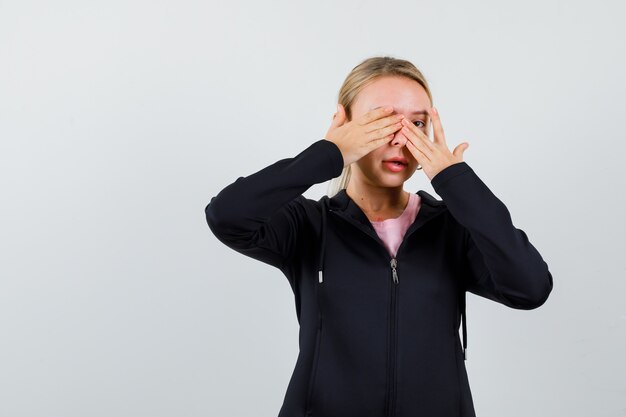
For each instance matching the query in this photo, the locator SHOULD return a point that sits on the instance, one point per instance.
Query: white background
(119, 120)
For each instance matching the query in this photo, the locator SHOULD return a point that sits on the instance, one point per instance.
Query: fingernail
(435, 110)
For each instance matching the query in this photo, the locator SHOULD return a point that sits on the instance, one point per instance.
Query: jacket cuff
(445, 175)
(335, 158)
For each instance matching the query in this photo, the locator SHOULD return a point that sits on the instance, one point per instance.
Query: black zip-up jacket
(379, 336)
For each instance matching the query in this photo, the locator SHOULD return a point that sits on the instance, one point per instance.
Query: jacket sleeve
(261, 215)
(501, 263)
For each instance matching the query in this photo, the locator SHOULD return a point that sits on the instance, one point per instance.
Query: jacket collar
(430, 207)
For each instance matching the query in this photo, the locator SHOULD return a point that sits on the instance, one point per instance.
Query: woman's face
(407, 97)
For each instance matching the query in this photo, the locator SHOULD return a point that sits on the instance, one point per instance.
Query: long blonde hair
(356, 80)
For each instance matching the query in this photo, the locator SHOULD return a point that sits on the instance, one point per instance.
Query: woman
(380, 274)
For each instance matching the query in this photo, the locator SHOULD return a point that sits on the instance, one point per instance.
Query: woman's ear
(339, 117)
(346, 112)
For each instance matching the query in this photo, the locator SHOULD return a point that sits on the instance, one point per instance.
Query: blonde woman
(380, 274)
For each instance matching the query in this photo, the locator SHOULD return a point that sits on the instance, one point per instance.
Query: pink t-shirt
(391, 231)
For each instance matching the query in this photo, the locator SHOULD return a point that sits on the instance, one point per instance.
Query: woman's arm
(260, 215)
(502, 264)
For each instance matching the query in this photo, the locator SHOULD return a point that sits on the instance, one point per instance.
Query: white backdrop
(119, 120)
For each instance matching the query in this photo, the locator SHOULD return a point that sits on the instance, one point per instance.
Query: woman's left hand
(433, 156)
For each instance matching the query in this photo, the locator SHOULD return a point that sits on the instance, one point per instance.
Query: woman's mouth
(394, 166)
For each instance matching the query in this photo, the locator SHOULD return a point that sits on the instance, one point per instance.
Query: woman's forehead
(405, 98)
(398, 109)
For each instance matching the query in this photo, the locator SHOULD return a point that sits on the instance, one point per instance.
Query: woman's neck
(379, 203)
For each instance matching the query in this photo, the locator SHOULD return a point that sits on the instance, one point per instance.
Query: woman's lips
(394, 166)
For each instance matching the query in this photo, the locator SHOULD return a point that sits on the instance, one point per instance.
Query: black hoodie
(379, 336)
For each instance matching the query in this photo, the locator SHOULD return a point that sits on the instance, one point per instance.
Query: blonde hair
(357, 79)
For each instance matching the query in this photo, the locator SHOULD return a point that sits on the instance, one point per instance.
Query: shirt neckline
(404, 213)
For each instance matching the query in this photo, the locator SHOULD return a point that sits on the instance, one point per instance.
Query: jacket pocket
(311, 384)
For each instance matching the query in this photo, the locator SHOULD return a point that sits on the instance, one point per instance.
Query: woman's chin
(395, 180)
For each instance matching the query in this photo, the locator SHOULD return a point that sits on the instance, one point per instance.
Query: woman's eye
(419, 121)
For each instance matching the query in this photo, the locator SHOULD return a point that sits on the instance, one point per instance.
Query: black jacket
(379, 336)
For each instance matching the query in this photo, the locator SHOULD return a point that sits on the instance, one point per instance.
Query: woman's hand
(433, 156)
(359, 137)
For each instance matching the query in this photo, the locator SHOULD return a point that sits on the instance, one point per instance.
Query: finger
(458, 151)
(375, 114)
(384, 122)
(419, 156)
(416, 143)
(377, 143)
(384, 131)
(384, 136)
(419, 138)
(418, 132)
(437, 127)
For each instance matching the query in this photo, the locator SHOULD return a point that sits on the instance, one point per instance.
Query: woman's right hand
(359, 137)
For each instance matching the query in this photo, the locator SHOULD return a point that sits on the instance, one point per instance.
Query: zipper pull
(394, 263)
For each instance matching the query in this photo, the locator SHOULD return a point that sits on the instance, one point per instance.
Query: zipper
(393, 338)
(393, 263)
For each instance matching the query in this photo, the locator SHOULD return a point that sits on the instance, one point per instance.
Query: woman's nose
(399, 139)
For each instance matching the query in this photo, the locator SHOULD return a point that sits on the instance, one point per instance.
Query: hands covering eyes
(358, 137)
